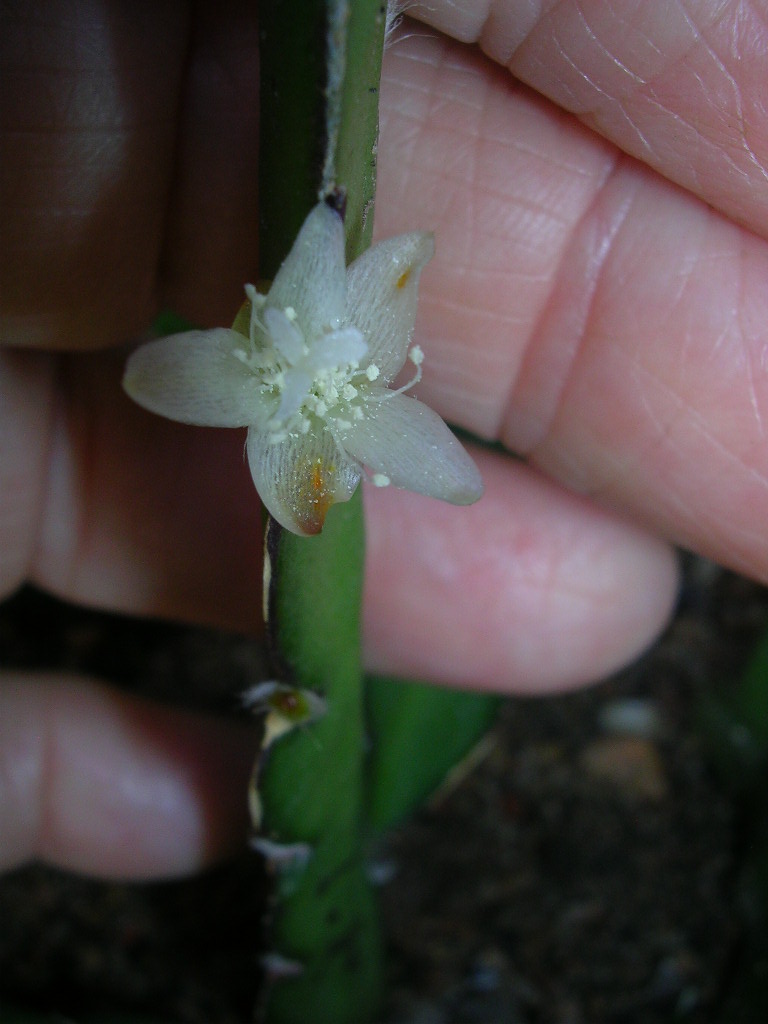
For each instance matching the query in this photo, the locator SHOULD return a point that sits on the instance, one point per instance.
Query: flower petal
(407, 442)
(298, 479)
(338, 348)
(285, 335)
(382, 293)
(197, 377)
(312, 279)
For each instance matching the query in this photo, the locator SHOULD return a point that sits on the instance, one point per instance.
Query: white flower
(310, 380)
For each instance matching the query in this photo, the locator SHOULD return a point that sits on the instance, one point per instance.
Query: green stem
(320, 67)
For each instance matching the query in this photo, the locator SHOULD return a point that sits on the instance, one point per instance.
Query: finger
(88, 101)
(679, 86)
(136, 189)
(530, 591)
(135, 513)
(101, 783)
(592, 316)
(27, 404)
(211, 245)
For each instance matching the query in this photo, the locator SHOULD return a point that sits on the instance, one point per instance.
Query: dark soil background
(585, 869)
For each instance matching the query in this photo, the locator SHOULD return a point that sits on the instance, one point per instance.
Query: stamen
(257, 301)
(249, 359)
(416, 356)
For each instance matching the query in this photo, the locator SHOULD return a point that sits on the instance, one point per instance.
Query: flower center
(317, 378)
(311, 377)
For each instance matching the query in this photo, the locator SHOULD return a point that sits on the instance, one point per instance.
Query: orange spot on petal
(314, 495)
(402, 281)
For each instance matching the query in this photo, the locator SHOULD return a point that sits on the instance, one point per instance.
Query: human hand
(594, 317)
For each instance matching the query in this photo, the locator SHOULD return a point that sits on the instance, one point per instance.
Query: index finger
(680, 86)
(597, 319)
(129, 154)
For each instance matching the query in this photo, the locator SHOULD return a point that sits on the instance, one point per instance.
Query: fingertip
(532, 590)
(105, 784)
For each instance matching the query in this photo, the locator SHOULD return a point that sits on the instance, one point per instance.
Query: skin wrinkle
(590, 284)
(753, 399)
(695, 183)
(686, 284)
(501, 31)
(615, 470)
(517, 148)
(502, 317)
(753, 371)
(742, 136)
(757, 101)
(754, 364)
(458, 177)
(459, 82)
(699, 39)
(430, 58)
(738, 25)
(699, 514)
(524, 221)
(463, 19)
(612, 472)
(635, 79)
(645, 81)
(664, 437)
(689, 269)
(647, 39)
(707, 138)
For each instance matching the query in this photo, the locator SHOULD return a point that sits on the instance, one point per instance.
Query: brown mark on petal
(314, 495)
(402, 281)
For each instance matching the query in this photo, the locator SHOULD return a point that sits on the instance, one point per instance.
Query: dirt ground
(586, 870)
